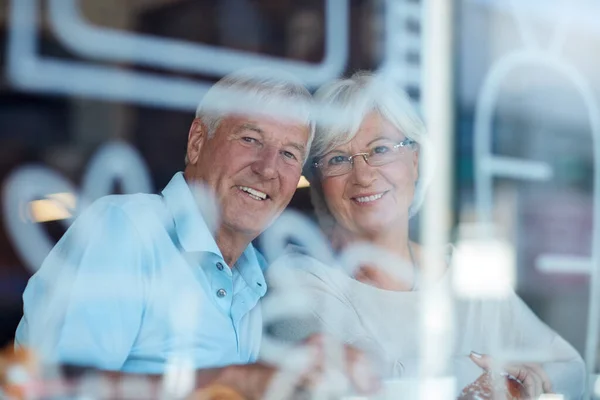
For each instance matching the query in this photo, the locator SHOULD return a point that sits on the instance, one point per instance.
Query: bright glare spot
(303, 182)
(17, 375)
(100, 386)
(437, 314)
(400, 389)
(551, 396)
(597, 387)
(55, 207)
(179, 378)
(484, 268)
(437, 388)
(135, 387)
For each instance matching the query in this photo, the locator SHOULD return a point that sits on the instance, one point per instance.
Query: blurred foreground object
(17, 368)
(485, 387)
(20, 380)
(216, 392)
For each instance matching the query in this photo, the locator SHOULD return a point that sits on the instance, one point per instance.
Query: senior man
(143, 283)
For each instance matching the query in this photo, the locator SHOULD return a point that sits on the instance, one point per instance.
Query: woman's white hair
(257, 91)
(345, 103)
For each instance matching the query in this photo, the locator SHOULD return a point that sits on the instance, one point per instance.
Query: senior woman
(365, 186)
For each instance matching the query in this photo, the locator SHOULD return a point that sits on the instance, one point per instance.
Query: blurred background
(71, 82)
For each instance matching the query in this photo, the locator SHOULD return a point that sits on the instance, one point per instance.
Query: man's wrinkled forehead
(299, 144)
(241, 101)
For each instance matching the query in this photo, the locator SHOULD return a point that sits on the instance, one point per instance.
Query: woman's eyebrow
(379, 138)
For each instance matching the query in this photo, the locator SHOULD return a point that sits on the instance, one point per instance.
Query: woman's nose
(362, 172)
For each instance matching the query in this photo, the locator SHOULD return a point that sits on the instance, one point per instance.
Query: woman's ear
(416, 164)
(196, 139)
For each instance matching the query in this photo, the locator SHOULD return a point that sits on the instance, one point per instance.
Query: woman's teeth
(366, 199)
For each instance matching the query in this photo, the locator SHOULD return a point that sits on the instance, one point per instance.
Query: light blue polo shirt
(138, 282)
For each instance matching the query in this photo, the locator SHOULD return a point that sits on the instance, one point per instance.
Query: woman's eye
(381, 149)
(336, 160)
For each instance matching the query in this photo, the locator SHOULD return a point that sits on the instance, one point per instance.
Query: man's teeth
(255, 194)
(366, 199)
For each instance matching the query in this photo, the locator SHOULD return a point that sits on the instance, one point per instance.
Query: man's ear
(196, 139)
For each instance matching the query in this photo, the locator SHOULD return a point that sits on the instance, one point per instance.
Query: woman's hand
(531, 375)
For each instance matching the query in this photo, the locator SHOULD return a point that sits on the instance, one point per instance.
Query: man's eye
(337, 160)
(249, 139)
(290, 155)
(381, 150)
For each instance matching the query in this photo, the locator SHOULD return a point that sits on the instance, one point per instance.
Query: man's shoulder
(299, 266)
(139, 209)
(132, 204)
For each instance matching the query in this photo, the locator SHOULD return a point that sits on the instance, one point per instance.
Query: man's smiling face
(252, 164)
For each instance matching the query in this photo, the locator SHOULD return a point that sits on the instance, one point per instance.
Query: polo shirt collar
(194, 234)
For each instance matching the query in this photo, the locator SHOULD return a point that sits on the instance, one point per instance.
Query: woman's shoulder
(298, 264)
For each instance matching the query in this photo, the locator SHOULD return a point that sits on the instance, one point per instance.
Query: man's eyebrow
(250, 127)
(300, 147)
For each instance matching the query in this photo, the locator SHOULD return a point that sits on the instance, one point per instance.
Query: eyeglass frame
(403, 144)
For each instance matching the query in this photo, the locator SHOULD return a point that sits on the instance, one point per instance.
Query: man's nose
(265, 164)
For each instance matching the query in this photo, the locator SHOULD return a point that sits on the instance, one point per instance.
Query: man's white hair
(257, 91)
(345, 103)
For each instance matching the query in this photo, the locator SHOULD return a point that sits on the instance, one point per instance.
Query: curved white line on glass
(521, 18)
(486, 104)
(563, 264)
(115, 45)
(509, 167)
(116, 161)
(397, 39)
(24, 185)
(28, 71)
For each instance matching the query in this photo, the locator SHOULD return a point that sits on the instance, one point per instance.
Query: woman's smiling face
(368, 200)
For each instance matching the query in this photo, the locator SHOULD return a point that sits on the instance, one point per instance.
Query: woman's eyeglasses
(335, 163)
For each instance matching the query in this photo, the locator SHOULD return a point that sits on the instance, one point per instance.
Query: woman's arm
(525, 334)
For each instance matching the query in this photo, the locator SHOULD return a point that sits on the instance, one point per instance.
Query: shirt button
(221, 293)
(220, 266)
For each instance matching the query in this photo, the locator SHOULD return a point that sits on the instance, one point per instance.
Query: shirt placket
(222, 286)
